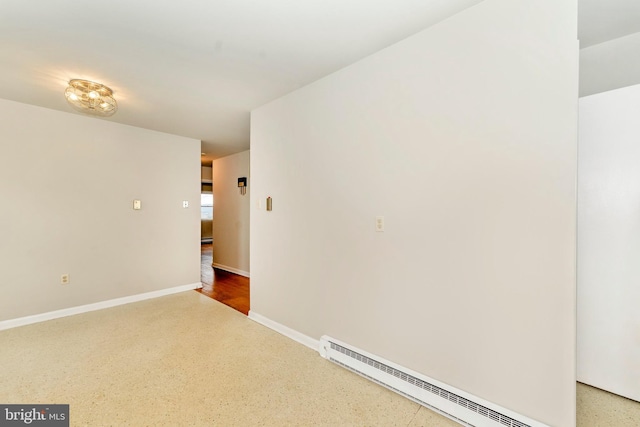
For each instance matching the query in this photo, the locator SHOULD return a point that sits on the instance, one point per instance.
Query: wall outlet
(379, 223)
(64, 279)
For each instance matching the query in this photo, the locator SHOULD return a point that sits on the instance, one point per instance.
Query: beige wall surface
(464, 138)
(67, 184)
(231, 213)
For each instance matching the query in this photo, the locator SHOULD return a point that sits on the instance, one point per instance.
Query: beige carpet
(187, 360)
(598, 408)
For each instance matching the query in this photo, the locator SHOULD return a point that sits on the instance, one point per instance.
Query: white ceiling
(609, 32)
(602, 20)
(196, 68)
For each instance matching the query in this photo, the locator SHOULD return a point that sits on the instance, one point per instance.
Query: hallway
(228, 288)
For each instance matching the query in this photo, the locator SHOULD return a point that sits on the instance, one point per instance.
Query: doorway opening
(228, 288)
(206, 213)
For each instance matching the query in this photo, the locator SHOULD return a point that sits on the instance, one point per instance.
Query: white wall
(609, 242)
(464, 137)
(231, 214)
(67, 183)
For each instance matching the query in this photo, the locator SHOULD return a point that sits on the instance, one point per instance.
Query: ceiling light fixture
(90, 97)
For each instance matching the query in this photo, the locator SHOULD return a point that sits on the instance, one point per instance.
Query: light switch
(379, 223)
(185, 203)
(137, 205)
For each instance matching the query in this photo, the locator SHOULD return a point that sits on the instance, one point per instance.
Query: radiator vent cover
(452, 403)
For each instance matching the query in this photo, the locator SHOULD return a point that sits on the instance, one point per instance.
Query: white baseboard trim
(231, 269)
(464, 408)
(285, 330)
(36, 318)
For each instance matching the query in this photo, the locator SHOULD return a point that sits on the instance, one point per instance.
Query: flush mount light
(90, 97)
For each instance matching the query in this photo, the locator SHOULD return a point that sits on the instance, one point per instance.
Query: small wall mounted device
(269, 204)
(242, 184)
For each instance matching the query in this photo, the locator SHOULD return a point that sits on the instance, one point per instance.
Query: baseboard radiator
(446, 400)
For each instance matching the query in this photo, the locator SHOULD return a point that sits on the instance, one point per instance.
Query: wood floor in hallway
(228, 288)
